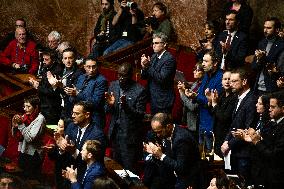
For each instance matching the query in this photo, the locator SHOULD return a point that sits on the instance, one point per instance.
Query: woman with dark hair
(245, 13)
(190, 109)
(30, 125)
(211, 30)
(159, 22)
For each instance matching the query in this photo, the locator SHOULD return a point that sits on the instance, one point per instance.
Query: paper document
(122, 173)
(217, 158)
(227, 160)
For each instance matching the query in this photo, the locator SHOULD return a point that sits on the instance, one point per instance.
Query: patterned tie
(228, 42)
(79, 136)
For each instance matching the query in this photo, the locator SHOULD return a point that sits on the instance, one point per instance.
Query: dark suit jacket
(272, 150)
(127, 120)
(182, 157)
(93, 132)
(160, 76)
(276, 49)
(238, 49)
(93, 91)
(94, 171)
(244, 118)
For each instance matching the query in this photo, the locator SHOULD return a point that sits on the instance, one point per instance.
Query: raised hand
(145, 61)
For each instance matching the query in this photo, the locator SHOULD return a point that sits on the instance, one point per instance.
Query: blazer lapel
(243, 102)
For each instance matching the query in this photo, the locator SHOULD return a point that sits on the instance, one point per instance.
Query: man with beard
(20, 55)
(126, 102)
(103, 29)
(267, 63)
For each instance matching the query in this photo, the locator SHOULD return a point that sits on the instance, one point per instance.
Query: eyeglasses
(156, 43)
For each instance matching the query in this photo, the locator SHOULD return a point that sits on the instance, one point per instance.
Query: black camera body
(132, 5)
(24, 68)
(151, 21)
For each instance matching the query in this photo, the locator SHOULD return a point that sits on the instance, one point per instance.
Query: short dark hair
(23, 20)
(279, 96)
(87, 106)
(214, 56)
(94, 147)
(243, 73)
(162, 7)
(213, 25)
(277, 23)
(111, 2)
(163, 118)
(92, 59)
(33, 100)
(235, 13)
(71, 49)
(49, 53)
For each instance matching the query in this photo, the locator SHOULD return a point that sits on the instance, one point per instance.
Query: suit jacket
(238, 49)
(182, 157)
(93, 90)
(271, 149)
(276, 49)
(160, 76)
(243, 118)
(93, 132)
(94, 171)
(126, 121)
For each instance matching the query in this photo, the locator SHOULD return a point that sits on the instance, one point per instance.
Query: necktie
(228, 42)
(79, 136)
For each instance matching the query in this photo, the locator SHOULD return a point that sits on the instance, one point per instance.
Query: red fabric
(4, 130)
(8, 56)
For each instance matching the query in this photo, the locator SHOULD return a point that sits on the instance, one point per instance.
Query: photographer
(126, 31)
(103, 29)
(159, 22)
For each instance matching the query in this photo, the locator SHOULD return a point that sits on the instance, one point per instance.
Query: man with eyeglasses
(159, 71)
(20, 56)
(91, 87)
(126, 102)
(244, 117)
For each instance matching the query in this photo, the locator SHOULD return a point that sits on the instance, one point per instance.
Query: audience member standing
(267, 62)
(160, 71)
(20, 55)
(244, 117)
(233, 43)
(126, 102)
(91, 87)
(175, 161)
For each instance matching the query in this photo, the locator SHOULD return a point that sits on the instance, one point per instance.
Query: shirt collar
(279, 120)
(242, 96)
(160, 56)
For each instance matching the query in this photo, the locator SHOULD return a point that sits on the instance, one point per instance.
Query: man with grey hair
(160, 71)
(53, 40)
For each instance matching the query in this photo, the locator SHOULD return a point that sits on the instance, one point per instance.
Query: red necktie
(228, 42)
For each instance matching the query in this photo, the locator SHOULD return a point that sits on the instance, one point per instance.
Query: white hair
(55, 34)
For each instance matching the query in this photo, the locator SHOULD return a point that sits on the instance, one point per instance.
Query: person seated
(20, 22)
(103, 29)
(221, 181)
(92, 155)
(30, 125)
(20, 56)
(126, 31)
(159, 22)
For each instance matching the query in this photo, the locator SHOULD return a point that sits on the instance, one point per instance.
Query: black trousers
(31, 165)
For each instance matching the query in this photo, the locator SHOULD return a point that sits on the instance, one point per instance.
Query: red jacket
(28, 56)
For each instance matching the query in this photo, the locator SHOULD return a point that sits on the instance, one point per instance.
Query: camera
(23, 69)
(132, 5)
(150, 21)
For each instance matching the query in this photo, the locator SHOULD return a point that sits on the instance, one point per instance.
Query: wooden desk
(112, 165)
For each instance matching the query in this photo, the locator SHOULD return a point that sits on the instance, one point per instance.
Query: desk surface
(112, 165)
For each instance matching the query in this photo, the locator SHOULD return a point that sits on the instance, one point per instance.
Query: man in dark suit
(267, 61)
(91, 87)
(176, 158)
(233, 44)
(244, 116)
(126, 102)
(160, 72)
(71, 142)
(271, 148)
(91, 154)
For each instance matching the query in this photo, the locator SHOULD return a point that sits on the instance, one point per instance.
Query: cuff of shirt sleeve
(162, 157)
(76, 153)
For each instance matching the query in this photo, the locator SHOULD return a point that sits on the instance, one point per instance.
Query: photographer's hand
(16, 66)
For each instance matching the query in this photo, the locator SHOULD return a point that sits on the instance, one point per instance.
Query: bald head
(21, 35)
